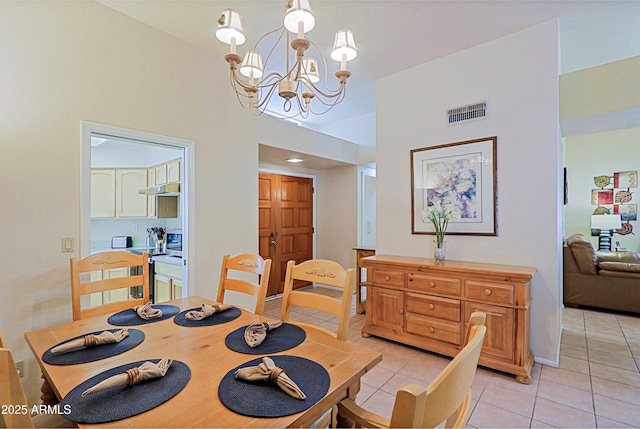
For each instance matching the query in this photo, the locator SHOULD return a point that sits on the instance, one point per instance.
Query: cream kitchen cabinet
(114, 193)
(167, 282)
(103, 193)
(129, 202)
(173, 171)
(151, 199)
(169, 172)
(425, 304)
(161, 174)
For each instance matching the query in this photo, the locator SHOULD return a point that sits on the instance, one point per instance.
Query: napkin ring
(275, 372)
(90, 340)
(133, 376)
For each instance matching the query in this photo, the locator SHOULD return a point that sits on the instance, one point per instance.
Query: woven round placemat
(90, 354)
(266, 399)
(123, 402)
(215, 319)
(130, 317)
(283, 338)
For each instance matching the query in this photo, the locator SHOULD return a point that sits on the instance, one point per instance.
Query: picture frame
(461, 176)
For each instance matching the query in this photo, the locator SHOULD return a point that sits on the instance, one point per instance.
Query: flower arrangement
(439, 217)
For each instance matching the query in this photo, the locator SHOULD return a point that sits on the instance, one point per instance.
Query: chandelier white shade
(344, 45)
(255, 78)
(299, 13)
(230, 28)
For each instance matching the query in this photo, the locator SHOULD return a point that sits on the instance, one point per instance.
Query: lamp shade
(606, 222)
(344, 44)
(252, 65)
(299, 11)
(310, 70)
(230, 26)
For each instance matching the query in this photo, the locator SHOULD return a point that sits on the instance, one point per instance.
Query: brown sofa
(609, 280)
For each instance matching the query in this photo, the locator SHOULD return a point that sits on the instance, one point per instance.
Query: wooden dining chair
(248, 263)
(320, 271)
(12, 395)
(3, 343)
(446, 399)
(104, 280)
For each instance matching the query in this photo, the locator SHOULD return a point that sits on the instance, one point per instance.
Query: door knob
(273, 242)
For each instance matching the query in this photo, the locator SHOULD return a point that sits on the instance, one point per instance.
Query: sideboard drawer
(441, 308)
(433, 284)
(388, 278)
(436, 329)
(496, 293)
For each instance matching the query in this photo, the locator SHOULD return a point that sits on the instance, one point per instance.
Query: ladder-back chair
(106, 273)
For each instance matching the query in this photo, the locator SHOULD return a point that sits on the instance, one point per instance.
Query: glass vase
(438, 250)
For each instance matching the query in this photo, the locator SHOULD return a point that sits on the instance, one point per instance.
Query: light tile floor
(596, 386)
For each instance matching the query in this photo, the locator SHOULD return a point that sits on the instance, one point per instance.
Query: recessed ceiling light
(295, 160)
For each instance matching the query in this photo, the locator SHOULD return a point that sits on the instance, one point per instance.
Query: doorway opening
(119, 163)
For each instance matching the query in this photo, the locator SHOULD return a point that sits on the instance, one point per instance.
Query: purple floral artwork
(453, 184)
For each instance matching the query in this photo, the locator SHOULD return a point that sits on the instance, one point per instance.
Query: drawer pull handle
(387, 278)
(431, 306)
(401, 311)
(432, 284)
(432, 329)
(487, 292)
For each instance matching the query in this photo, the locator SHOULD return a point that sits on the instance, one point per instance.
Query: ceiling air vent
(467, 113)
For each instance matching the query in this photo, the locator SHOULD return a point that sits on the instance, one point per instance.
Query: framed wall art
(457, 179)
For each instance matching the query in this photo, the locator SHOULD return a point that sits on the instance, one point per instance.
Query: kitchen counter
(138, 250)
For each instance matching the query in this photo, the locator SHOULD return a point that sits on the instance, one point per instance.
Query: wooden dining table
(203, 349)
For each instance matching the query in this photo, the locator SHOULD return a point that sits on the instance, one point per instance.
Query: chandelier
(255, 84)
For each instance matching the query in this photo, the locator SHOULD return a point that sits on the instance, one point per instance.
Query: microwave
(174, 242)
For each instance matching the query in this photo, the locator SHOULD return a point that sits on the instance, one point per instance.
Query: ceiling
(393, 35)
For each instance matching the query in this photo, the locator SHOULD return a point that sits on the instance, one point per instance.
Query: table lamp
(605, 223)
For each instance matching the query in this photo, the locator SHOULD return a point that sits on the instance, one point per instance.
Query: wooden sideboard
(425, 304)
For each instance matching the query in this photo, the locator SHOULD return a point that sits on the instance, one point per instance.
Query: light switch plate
(67, 244)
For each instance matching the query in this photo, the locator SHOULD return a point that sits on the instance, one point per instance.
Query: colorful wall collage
(616, 196)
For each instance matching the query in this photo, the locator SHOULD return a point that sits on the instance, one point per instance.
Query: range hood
(169, 189)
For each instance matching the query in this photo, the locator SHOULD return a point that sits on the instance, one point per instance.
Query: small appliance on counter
(121, 242)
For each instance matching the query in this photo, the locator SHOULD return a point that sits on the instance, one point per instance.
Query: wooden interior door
(285, 230)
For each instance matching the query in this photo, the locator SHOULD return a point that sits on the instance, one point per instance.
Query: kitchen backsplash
(103, 229)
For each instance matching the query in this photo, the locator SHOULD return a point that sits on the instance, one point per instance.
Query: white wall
(337, 213)
(64, 62)
(518, 75)
(594, 155)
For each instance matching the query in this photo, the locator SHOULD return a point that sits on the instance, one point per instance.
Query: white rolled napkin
(206, 311)
(147, 312)
(146, 371)
(268, 370)
(255, 334)
(91, 340)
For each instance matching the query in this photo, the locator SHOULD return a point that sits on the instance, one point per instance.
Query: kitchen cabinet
(161, 174)
(103, 193)
(169, 172)
(425, 304)
(167, 282)
(151, 199)
(129, 202)
(114, 193)
(173, 171)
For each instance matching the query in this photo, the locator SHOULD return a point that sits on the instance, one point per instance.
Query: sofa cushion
(629, 257)
(584, 253)
(620, 266)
